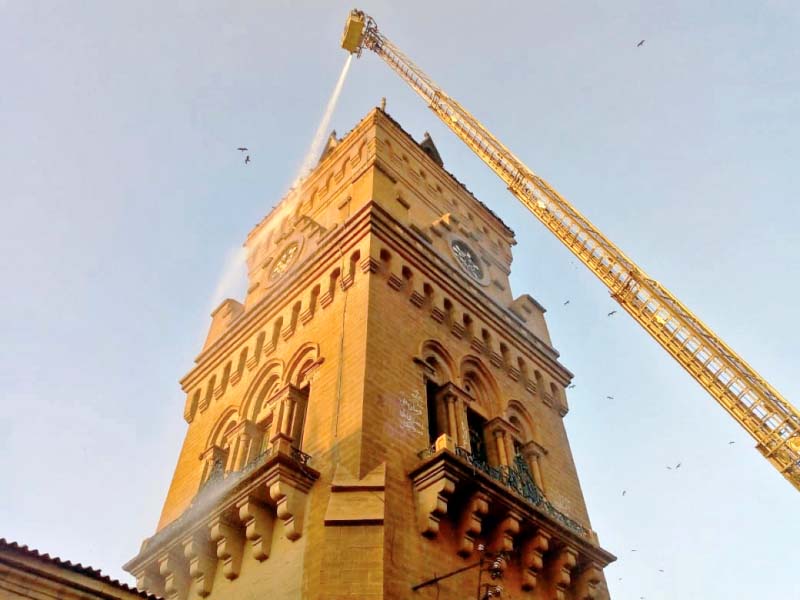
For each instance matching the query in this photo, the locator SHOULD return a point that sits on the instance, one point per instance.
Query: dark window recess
(476, 423)
(431, 389)
(517, 448)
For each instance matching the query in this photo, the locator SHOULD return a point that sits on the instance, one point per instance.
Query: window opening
(431, 391)
(475, 424)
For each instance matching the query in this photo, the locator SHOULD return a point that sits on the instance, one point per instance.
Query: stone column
(247, 435)
(500, 442)
(452, 425)
(215, 459)
(289, 418)
(455, 400)
(532, 453)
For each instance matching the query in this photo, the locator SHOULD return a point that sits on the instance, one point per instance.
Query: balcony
(230, 510)
(503, 507)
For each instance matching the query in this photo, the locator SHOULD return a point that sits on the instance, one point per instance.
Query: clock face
(467, 259)
(285, 260)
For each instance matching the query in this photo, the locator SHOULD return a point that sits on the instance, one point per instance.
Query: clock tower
(379, 416)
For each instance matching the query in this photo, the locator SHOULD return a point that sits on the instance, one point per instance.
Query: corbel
(201, 554)
(471, 518)
(561, 570)
(290, 504)
(502, 538)
(174, 570)
(433, 490)
(258, 524)
(532, 558)
(229, 540)
(588, 582)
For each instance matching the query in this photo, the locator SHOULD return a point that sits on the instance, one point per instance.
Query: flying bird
(570, 386)
(612, 313)
(640, 44)
(242, 149)
(609, 397)
(247, 159)
(633, 551)
(669, 468)
(729, 443)
(567, 302)
(624, 492)
(678, 466)
(661, 570)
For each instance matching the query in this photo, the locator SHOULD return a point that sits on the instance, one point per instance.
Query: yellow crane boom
(758, 407)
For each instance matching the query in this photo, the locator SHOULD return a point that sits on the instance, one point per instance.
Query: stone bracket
(433, 490)
(561, 570)
(502, 538)
(172, 567)
(470, 528)
(201, 554)
(289, 494)
(587, 583)
(230, 542)
(258, 523)
(532, 558)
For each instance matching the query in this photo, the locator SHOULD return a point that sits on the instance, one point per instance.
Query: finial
(383, 104)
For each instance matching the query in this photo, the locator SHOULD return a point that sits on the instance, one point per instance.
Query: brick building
(380, 410)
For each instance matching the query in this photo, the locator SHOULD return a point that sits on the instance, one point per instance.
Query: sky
(123, 197)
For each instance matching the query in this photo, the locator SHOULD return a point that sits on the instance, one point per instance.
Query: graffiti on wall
(412, 412)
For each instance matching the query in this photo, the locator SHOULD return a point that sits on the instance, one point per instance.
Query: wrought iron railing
(517, 478)
(300, 457)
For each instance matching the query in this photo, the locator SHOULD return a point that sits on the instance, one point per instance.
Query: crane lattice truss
(758, 407)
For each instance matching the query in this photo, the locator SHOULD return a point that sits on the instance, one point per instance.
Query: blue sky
(123, 195)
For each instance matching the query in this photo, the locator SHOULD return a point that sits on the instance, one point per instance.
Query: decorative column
(532, 453)
(501, 431)
(215, 459)
(456, 400)
(290, 412)
(246, 435)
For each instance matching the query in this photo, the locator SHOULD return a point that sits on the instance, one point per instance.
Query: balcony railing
(518, 479)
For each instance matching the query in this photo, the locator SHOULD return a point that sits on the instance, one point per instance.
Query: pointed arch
(303, 359)
(439, 359)
(226, 422)
(477, 381)
(518, 415)
(268, 379)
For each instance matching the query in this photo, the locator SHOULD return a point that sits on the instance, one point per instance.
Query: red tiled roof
(95, 574)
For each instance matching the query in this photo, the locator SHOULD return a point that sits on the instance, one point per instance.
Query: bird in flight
(633, 550)
(242, 149)
(678, 466)
(661, 570)
(247, 159)
(624, 492)
(612, 313)
(570, 386)
(729, 443)
(669, 468)
(609, 397)
(567, 302)
(640, 44)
